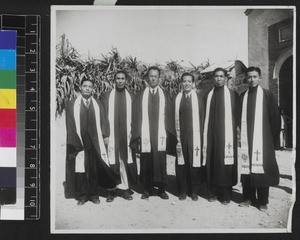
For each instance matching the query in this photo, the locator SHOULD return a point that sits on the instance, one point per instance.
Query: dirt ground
(157, 215)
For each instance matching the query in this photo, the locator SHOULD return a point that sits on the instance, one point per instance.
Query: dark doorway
(286, 99)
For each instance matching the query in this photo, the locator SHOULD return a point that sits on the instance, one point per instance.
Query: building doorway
(286, 100)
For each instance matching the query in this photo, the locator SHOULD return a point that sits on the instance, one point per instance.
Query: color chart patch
(8, 127)
(19, 117)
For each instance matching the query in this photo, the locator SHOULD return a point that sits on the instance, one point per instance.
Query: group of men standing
(218, 137)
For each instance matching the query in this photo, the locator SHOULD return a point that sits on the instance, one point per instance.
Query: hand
(106, 141)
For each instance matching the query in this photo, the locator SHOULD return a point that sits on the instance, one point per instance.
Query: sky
(158, 34)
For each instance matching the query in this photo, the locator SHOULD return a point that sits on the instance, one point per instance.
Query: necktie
(87, 103)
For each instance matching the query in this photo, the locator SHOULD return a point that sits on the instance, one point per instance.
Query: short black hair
(120, 71)
(153, 68)
(220, 69)
(85, 78)
(252, 69)
(187, 74)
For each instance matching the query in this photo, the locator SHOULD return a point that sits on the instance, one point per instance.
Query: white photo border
(54, 10)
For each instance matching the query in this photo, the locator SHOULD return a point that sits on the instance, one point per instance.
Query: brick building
(270, 47)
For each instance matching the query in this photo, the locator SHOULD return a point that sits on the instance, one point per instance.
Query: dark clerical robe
(152, 165)
(120, 133)
(271, 132)
(217, 173)
(189, 177)
(97, 173)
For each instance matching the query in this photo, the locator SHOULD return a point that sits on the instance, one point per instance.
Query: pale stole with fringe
(228, 148)
(257, 142)
(79, 163)
(111, 118)
(145, 131)
(196, 130)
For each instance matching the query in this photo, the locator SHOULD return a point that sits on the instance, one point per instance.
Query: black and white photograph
(172, 119)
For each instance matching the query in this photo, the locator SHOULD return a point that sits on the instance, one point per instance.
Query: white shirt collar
(155, 89)
(85, 100)
(188, 94)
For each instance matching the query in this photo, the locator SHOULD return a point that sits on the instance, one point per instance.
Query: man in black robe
(119, 112)
(87, 125)
(149, 134)
(219, 150)
(256, 183)
(188, 105)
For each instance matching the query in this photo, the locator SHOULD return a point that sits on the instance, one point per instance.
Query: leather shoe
(194, 197)
(81, 202)
(182, 197)
(163, 195)
(213, 198)
(145, 195)
(245, 203)
(111, 196)
(126, 196)
(263, 208)
(225, 202)
(96, 201)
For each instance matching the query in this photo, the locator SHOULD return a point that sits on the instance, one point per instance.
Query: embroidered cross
(257, 152)
(162, 140)
(197, 150)
(229, 147)
(178, 148)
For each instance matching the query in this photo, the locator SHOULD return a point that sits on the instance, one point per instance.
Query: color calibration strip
(27, 116)
(8, 127)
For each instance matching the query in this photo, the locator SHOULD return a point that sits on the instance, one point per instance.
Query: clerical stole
(257, 143)
(228, 148)
(196, 130)
(145, 132)
(111, 117)
(76, 109)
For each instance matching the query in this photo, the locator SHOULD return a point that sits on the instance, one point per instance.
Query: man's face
(219, 79)
(120, 80)
(87, 89)
(153, 78)
(187, 83)
(253, 78)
